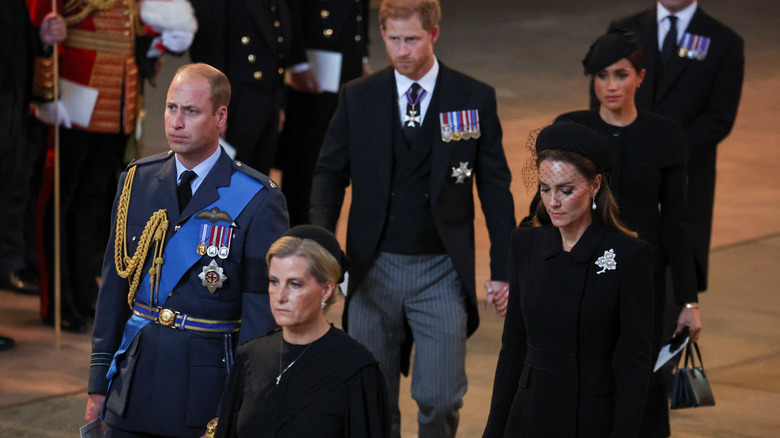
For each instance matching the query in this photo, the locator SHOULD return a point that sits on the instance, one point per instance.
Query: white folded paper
(665, 355)
(79, 100)
(91, 430)
(326, 67)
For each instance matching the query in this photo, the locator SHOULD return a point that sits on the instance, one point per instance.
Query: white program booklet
(666, 354)
(79, 100)
(91, 430)
(326, 67)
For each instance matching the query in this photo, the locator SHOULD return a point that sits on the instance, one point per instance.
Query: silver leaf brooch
(607, 261)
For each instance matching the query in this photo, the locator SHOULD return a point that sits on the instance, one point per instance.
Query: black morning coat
(358, 149)
(701, 95)
(576, 350)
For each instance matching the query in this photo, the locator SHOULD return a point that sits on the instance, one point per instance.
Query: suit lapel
(219, 176)
(448, 98)
(381, 99)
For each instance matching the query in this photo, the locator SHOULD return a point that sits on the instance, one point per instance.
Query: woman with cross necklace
(308, 378)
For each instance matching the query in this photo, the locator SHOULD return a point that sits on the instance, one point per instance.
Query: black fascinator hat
(573, 137)
(608, 49)
(324, 238)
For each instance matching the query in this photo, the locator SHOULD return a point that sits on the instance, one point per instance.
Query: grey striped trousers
(424, 292)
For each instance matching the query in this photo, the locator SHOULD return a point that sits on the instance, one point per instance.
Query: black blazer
(332, 25)
(576, 350)
(358, 149)
(231, 30)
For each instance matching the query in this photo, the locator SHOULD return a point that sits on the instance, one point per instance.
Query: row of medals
(213, 251)
(447, 135)
(691, 54)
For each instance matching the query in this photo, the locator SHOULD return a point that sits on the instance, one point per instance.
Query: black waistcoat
(409, 228)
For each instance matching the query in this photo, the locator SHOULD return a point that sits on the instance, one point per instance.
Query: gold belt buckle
(166, 317)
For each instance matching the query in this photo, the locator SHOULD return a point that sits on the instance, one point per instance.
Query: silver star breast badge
(461, 172)
(212, 276)
(607, 262)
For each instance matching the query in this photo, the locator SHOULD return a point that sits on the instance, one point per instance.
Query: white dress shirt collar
(202, 169)
(684, 17)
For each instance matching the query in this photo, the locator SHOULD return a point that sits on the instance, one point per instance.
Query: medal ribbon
(227, 236)
(420, 97)
(456, 123)
(204, 232)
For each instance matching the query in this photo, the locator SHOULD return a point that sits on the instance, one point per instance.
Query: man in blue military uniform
(184, 271)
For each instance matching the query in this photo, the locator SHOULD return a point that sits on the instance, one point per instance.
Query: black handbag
(690, 388)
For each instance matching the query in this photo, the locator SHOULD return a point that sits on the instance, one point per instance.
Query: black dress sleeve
(513, 340)
(674, 215)
(369, 410)
(632, 360)
(231, 400)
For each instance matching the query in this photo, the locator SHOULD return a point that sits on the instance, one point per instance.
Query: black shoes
(14, 282)
(6, 343)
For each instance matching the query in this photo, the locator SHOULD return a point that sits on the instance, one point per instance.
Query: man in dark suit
(693, 77)
(412, 140)
(251, 41)
(196, 225)
(333, 28)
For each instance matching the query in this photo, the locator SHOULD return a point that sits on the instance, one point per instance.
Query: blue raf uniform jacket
(169, 381)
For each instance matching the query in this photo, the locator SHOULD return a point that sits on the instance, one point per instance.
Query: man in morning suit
(183, 273)
(251, 41)
(694, 77)
(412, 140)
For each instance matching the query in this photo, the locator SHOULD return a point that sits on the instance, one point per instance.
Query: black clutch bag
(690, 388)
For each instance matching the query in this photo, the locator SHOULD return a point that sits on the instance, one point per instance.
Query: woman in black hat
(576, 349)
(648, 155)
(308, 379)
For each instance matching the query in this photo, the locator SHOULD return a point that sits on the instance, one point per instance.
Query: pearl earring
(593, 203)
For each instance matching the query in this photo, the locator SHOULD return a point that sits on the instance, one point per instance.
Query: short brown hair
(218, 83)
(428, 10)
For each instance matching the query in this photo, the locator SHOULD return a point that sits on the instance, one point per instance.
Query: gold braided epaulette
(154, 231)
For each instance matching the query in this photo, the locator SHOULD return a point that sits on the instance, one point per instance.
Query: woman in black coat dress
(648, 155)
(576, 349)
(308, 379)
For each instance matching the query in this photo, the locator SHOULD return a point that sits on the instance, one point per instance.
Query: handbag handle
(689, 353)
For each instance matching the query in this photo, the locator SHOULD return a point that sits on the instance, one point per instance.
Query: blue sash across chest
(179, 256)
